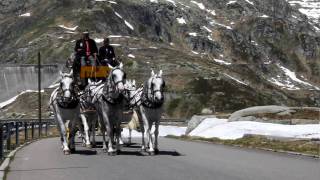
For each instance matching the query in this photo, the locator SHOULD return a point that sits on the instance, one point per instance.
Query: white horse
(88, 115)
(65, 106)
(148, 102)
(109, 103)
(134, 99)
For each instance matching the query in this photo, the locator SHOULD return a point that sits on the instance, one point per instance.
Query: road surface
(178, 160)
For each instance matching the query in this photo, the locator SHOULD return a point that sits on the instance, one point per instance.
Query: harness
(129, 99)
(109, 89)
(67, 103)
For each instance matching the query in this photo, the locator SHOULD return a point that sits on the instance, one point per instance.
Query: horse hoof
(156, 151)
(118, 152)
(111, 153)
(152, 153)
(66, 152)
(88, 146)
(83, 145)
(104, 150)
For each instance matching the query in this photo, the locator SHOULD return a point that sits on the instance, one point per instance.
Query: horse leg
(63, 133)
(143, 122)
(156, 134)
(72, 128)
(86, 130)
(109, 129)
(93, 132)
(150, 140)
(104, 141)
(118, 138)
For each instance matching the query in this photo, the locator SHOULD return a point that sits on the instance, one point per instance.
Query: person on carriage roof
(107, 55)
(86, 50)
(86, 54)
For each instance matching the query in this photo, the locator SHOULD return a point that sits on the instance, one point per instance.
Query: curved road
(178, 160)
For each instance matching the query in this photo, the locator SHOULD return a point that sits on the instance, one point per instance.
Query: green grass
(298, 146)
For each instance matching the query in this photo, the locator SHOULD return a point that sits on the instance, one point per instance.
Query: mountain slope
(225, 55)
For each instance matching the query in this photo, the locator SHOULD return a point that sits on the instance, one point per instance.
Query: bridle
(134, 97)
(152, 91)
(149, 96)
(115, 84)
(71, 90)
(111, 87)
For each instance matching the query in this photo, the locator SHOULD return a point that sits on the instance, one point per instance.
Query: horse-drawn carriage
(109, 99)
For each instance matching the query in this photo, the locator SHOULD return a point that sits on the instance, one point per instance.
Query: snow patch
(222, 62)
(163, 131)
(129, 25)
(221, 128)
(68, 28)
(206, 28)
(292, 76)
(200, 5)
(117, 14)
(11, 100)
(131, 56)
(193, 34)
(194, 52)
(212, 23)
(25, 15)
(235, 79)
(181, 20)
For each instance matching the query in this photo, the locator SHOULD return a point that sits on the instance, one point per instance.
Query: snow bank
(221, 128)
(163, 131)
(9, 101)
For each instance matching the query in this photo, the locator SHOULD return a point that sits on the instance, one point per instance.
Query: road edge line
(6, 163)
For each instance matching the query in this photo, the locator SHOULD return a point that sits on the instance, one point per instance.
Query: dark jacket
(81, 44)
(106, 52)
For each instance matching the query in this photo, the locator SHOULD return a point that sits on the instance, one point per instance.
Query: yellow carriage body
(94, 71)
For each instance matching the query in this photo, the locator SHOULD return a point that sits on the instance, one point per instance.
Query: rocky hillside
(217, 54)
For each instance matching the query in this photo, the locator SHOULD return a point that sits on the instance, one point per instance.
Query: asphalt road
(178, 160)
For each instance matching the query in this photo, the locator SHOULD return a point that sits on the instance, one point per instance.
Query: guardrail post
(1, 141)
(25, 132)
(47, 128)
(40, 129)
(17, 133)
(8, 131)
(32, 130)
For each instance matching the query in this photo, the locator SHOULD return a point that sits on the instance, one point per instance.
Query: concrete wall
(14, 79)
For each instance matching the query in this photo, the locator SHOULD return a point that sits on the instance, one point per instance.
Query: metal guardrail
(20, 129)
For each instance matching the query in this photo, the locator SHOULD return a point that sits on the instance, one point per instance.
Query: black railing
(15, 131)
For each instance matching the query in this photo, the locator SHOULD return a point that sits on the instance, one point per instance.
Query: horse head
(67, 85)
(117, 78)
(156, 85)
(131, 91)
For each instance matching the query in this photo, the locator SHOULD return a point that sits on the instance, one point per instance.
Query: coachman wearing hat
(86, 52)
(107, 55)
